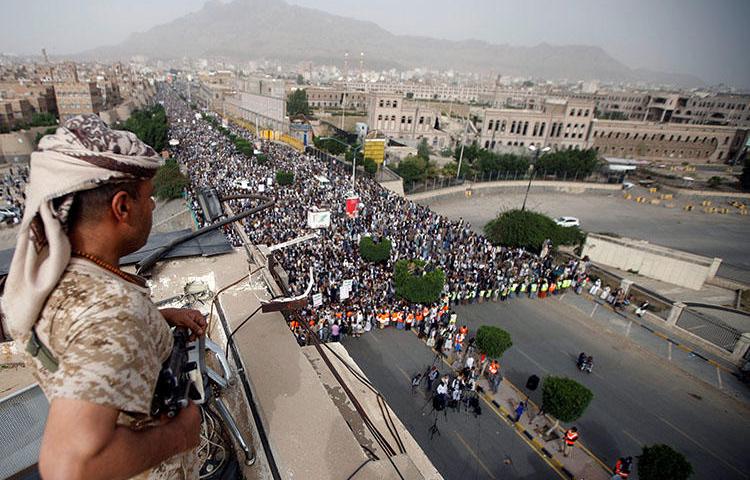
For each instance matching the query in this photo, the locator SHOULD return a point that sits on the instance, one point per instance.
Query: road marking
(531, 360)
(596, 305)
(375, 337)
(669, 352)
(479, 461)
(680, 431)
(718, 375)
(402, 371)
(627, 330)
(630, 435)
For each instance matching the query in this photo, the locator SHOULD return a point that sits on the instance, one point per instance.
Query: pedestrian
(519, 411)
(415, 381)
(431, 377)
(569, 440)
(622, 468)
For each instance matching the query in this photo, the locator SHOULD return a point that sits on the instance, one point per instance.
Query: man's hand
(185, 317)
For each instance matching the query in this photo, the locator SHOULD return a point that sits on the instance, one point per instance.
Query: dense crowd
(476, 271)
(13, 197)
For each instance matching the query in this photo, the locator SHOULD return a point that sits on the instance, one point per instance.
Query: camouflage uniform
(110, 341)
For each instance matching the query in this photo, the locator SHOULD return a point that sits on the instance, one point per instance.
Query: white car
(568, 222)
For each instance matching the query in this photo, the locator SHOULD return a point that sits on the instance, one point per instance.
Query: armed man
(95, 342)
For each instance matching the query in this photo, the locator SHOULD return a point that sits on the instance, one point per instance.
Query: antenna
(44, 54)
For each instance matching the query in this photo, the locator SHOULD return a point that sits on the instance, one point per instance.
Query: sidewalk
(657, 340)
(581, 464)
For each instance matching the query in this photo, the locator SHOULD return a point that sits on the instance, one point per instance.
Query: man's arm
(83, 441)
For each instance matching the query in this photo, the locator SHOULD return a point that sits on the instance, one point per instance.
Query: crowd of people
(12, 186)
(475, 270)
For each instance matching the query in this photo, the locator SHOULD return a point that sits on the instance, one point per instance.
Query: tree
(527, 229)
(169, 181)
(330, 145)
(413, 168)
(564, 399)
(493, 341)
(150, 125)
(745, 177)
(284, 177)
(370, 166)
(43, 119)
(450, 169)
(374, 252)
(714, 181)
(423, 150)
(662, 462)
(569, 163)
(296, 103)
(417, 283)
(300, 79)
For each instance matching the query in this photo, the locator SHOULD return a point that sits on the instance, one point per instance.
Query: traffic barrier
(688, 208)
(652, 190)
(628, 196)
(709, 209)
(655, 201)
(706, 203)
(743, 211)
(722, 211)
(669, 205)
(640, 199)
(666, 196)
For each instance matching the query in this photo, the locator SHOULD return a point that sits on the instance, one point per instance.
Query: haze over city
(707, 39)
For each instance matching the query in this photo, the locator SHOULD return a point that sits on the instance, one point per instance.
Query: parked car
(568, 222)
(10, 215)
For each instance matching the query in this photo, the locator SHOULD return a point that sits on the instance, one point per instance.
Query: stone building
(395, 117)
(77, 98)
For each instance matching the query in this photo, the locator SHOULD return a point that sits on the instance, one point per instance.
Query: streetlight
(354, 158)
(537, 153)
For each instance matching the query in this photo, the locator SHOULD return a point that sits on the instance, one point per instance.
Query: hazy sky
(707, 38)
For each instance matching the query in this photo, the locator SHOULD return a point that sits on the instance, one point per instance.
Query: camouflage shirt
(110, 341)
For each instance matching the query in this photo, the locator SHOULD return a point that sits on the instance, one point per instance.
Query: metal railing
(22, 418)
(709, 328)
(436, 183)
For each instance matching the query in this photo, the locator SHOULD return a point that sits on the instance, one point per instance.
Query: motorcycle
(585, 362)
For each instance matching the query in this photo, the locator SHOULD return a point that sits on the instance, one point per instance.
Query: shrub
(370, 166)
(493, 341)
(43, 119)
(375, 252)
(150, 125)
(527, 229)
(565, 399)
(284, 177)
(416, 283)
(715, 181)
(169, 181)
(662, 462)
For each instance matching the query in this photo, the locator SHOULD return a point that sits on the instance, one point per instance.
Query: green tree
(714, 181)
(416, 283)
(471, 152)
(284, 177)
(413, 168)
(527, 229)
(564, 399)
(373, 252)
(662, 462)
(370, 166)
(745, 177)
(169, 181)
(493, 341)
(296, 103)
(43, 119)
(423, 150)
(150, 125)
(569, 163)
(300, 79)
(330, 145)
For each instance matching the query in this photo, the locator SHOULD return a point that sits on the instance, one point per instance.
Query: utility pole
(463, 142)
(346, 88)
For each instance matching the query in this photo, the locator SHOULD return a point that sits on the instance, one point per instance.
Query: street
(637, 399)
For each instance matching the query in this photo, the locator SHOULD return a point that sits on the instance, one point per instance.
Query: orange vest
(493, 367)
(571, 437)
(410, 318)
(425, 312)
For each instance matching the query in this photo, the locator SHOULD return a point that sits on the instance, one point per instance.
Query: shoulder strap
(37, 349)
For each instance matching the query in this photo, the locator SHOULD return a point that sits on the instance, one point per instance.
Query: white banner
(318, 219)
(343, 294)
(317, 299)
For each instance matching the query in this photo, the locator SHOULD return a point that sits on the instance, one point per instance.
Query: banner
(317, 299)
(318, 219)
(375, 149)
(351, 206)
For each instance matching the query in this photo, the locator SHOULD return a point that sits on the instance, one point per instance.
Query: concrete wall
(665, 264)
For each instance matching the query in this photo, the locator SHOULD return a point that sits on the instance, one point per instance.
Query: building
(78, 98)
(559, 124)
(325, 97)
(667, 141)
(426, 91)
(395, 117)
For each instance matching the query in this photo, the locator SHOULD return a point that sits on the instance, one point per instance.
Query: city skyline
(698, 39)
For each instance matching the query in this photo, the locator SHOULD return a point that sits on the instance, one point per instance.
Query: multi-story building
(419, 91)
(667, 141)
(393, 116)
(78, 98)
(325, 97)
(41, 97)
(559, 124)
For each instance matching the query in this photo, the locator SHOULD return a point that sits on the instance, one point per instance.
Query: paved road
(723, 236)
(637, 399)
(467, 448)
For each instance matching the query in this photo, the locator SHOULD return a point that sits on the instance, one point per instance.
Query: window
(393, 118)
(395, 104)
(408, 120)
(513, 127)
(380, 117)
(492, 145)
(490, 125)
(536, 129)
(421, 120)
(579, 112)
(487, 144)
(387, 103)
(541, 130)
(525, 127)
(403, 118)
(726, 140)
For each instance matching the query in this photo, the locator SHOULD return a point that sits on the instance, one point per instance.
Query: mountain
(273, 29)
